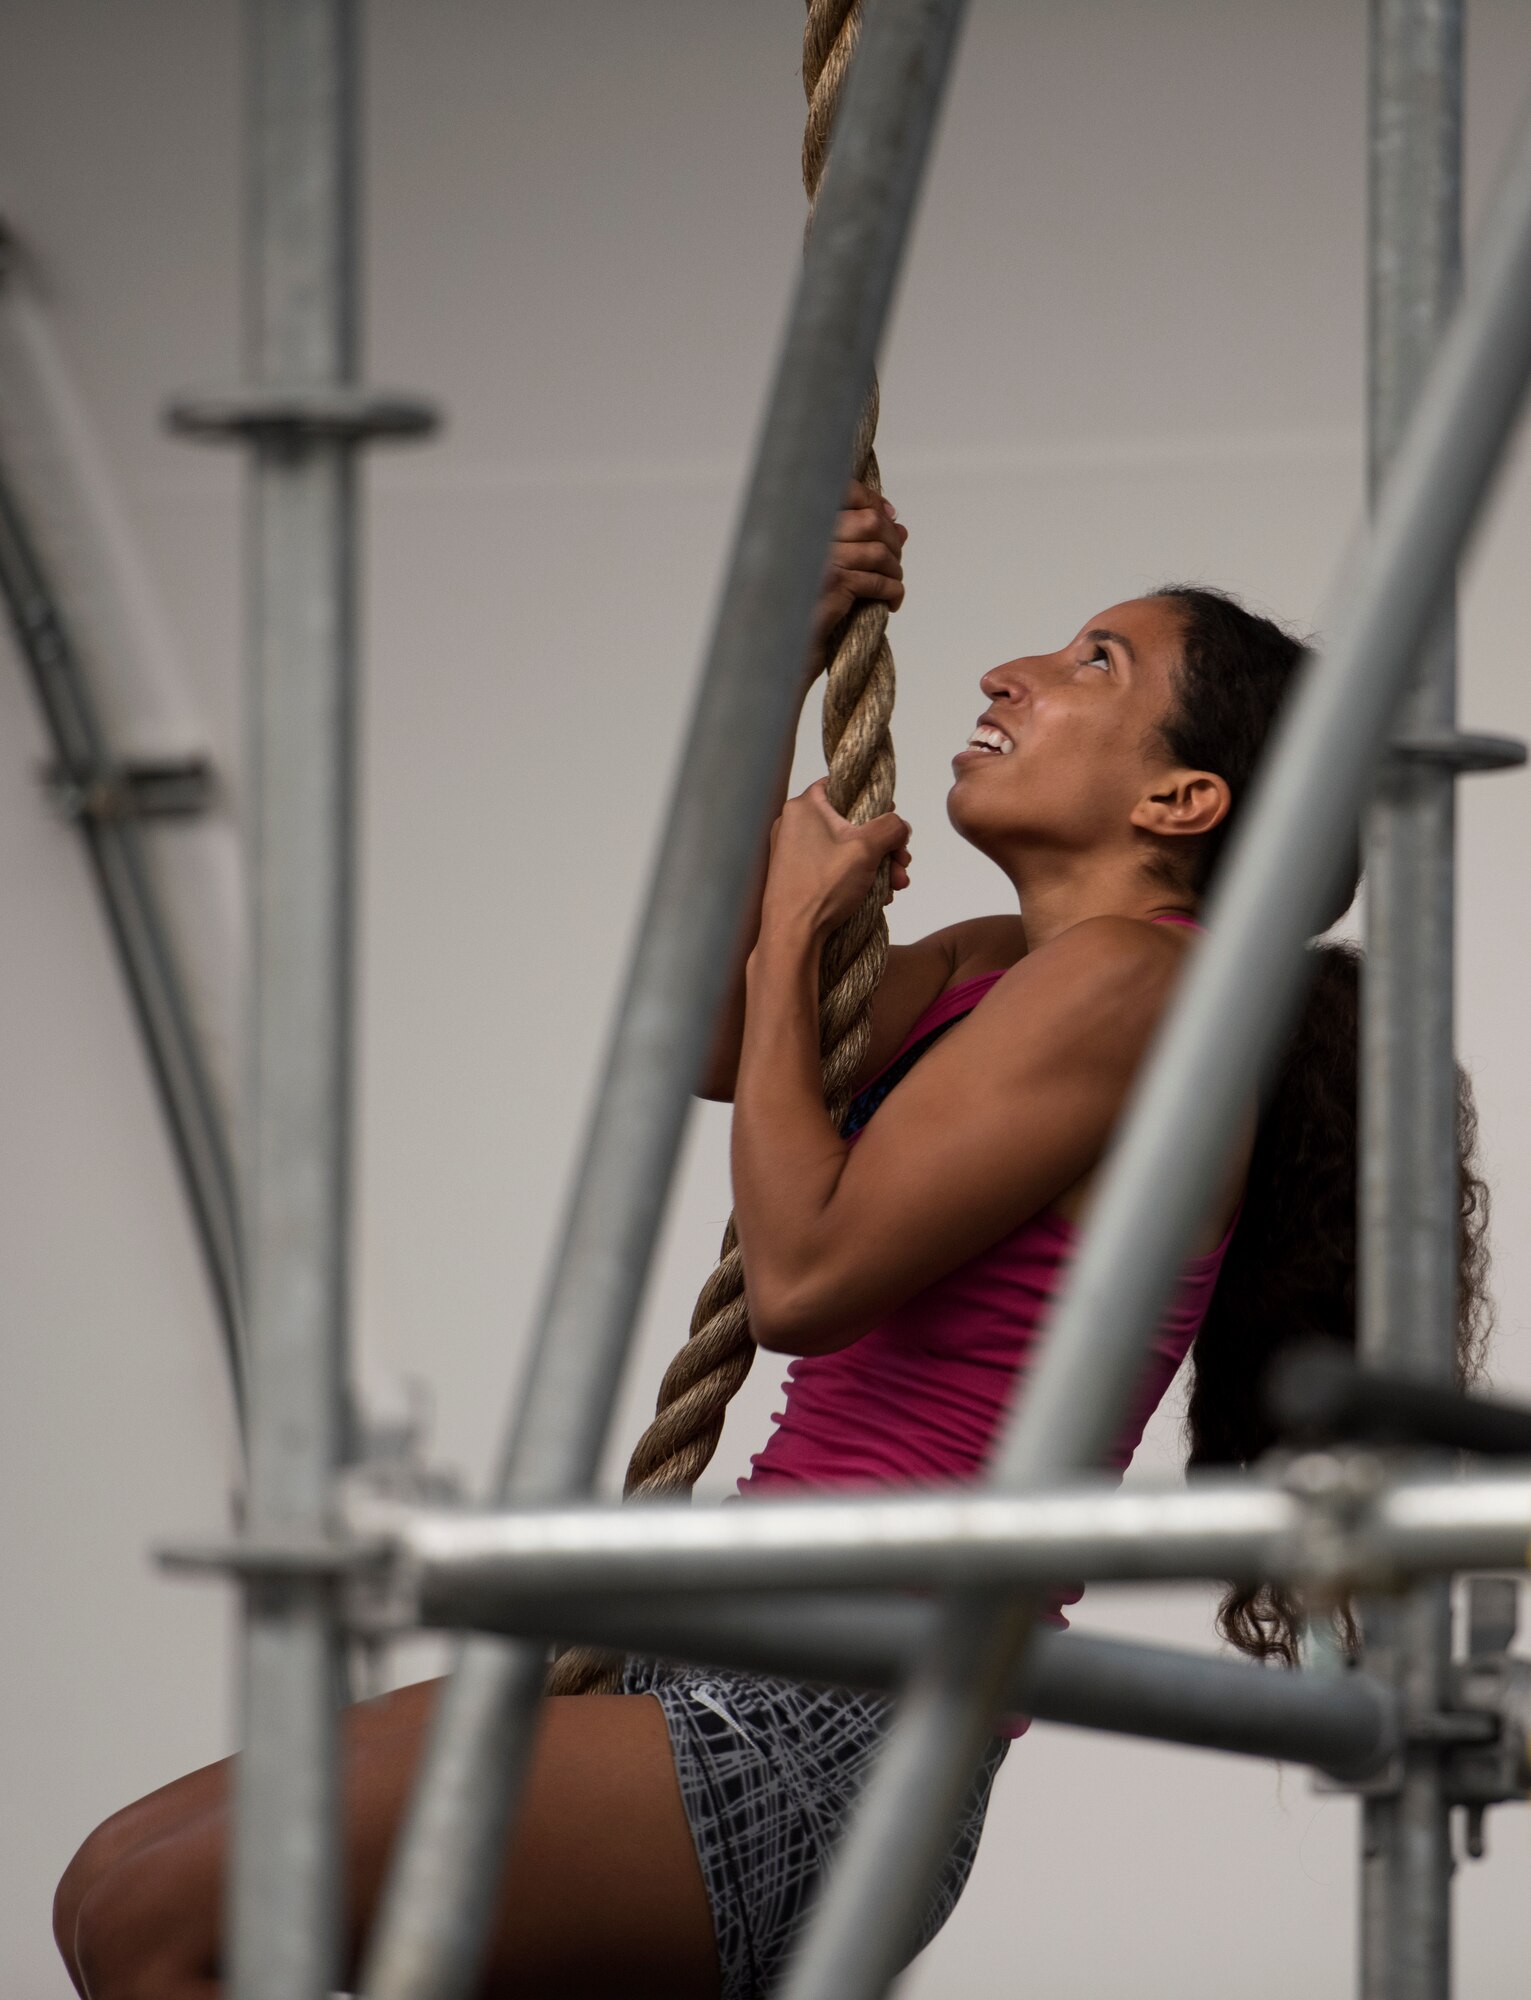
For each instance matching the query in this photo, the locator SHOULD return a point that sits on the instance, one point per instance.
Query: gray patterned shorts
(769, 1770)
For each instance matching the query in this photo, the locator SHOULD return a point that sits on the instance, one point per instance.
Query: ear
(1183, 803)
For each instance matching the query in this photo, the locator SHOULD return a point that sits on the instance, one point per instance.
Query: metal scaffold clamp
(300, 413)
(1484, 1736)
(1492, 1681)
(1336, 1491)
(1357, 1423)
(139, 788)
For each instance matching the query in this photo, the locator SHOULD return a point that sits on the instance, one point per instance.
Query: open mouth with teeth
(994, 741)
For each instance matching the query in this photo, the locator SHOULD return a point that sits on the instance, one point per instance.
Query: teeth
(986, 738)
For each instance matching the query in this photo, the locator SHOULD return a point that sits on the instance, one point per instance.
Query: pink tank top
(921, 1397)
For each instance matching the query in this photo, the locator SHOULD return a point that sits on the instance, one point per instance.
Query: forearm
(787, 1157)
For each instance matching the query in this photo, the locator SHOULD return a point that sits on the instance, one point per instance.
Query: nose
(1009, 681)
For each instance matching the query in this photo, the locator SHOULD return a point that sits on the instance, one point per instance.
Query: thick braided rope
(858, 749)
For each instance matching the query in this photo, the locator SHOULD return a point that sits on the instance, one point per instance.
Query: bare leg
(602, 1895)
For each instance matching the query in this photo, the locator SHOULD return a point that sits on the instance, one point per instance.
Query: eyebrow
(1116, 639)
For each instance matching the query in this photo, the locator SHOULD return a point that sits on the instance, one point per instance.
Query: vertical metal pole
(284, 1924)
(1408, 1192)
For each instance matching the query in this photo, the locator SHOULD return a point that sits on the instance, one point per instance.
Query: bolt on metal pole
(284, 1917)
(440, 1895)
(1237, 998)
(1408, 1187)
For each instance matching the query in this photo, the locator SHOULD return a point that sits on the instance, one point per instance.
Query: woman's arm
(865, 562)
(1009, 1110)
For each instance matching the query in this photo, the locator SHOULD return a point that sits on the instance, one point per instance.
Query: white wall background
(1128, 347)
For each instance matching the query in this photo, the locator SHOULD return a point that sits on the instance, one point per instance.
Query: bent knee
(146, 1925)
(98, 1852)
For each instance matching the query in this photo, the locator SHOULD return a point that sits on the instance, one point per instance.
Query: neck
(1057, 891)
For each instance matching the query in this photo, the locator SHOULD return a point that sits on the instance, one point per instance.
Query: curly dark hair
(1290, 1270)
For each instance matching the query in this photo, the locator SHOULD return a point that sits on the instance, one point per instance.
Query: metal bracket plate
(159, 788)
(298, 413)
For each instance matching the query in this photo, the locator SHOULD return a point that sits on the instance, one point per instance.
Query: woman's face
(1067, 751)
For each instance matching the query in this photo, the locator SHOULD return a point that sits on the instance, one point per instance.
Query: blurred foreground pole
(1408, 1192)
(439, 1900)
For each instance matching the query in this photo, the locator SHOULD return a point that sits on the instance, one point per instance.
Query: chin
(968, 819)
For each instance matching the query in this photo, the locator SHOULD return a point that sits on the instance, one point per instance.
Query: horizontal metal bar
(454, 1564)
(1344, 1724)
(1319, 1394)
(1459, 750)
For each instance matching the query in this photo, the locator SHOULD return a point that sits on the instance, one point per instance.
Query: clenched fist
(822, 866)
(865, 561)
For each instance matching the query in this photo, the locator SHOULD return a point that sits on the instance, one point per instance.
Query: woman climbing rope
(672, 1834)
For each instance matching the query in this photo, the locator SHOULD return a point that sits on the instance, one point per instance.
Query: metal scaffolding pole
(450, 1565)
(303, 418)
(284, 1913)
(1344, 1724)
(1237, 998)
(439, 1899)
(99, 793)
(1408, 1193)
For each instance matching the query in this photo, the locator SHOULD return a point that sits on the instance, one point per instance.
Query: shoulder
(916, 975)
(1098, 987)
(1102, 945)
(919, 972)
(982, 944)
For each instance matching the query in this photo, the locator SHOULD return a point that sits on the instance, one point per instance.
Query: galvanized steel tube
(1344, 1724)
(1408, 1192)
(285, 1926)
(1221, 1527)
(438, 1901)
(457, 1565)
(140, 936)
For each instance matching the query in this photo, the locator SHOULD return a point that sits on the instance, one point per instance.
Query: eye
(1099, 658)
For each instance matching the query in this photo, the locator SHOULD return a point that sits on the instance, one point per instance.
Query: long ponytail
(1290, 1270)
